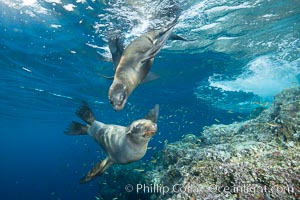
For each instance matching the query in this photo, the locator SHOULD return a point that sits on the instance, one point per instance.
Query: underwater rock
(254, 159)
(285, 114)
(256, 112)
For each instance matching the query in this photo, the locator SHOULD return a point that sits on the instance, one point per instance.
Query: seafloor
(255, 159)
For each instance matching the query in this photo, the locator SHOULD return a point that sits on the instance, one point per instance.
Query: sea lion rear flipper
(158, 41)
(150, 77)
(76, 128)
(97, 170)
(85, 113)
(174, 36)
(153, 114)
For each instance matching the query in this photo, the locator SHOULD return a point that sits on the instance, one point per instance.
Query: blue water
(242, 54)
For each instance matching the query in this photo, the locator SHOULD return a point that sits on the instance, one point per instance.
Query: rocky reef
(255, 159)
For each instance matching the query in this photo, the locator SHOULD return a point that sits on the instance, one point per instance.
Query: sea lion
(133, 67)
(122, 144)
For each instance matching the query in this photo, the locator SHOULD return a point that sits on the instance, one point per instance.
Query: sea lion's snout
(118, 101)
(117, 96)
(150, 130)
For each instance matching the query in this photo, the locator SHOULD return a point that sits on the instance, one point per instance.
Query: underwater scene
(152, 99)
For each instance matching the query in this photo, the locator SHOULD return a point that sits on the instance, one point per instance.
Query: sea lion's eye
(139, 126)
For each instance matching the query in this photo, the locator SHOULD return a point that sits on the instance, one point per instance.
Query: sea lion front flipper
(150, 77)
(116, 47)
(153, 114)
(97, 170)
(85, 113)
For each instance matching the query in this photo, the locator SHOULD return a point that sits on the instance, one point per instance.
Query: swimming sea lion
(134, 64)
(122, 144)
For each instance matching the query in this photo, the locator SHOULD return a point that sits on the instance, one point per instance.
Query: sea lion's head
(141, 130)
(118, 95)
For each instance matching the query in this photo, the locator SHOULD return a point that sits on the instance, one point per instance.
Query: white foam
(26, 69)
(69, 7)
(54, 1)
(264, 76)
(208, 26)
(38, 89)
(29, 2)
(81, 1)
(94, 46)
(139, 29)
(55, 26)
(226, 38)
(29, 7)
(228, 8)
(268, 15)
(193, 12)
(60, 95)
(135, 16)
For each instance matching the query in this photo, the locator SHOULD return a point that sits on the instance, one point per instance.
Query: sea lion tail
(85, 113)
(76, 128)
